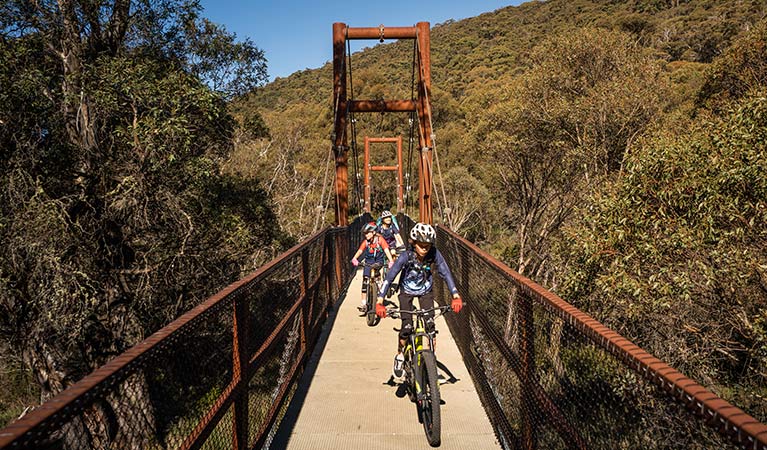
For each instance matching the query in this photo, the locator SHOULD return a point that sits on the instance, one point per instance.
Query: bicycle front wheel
(429, 400)
(372, 318)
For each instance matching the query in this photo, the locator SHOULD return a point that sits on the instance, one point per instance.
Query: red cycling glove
(380, 310)
(457, 305)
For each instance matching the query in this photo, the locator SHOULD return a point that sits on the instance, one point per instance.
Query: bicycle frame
(414, 346)
(377, 271)
(420, 362)
(377, 274)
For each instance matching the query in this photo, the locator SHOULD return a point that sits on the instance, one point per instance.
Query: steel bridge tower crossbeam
(421, 105)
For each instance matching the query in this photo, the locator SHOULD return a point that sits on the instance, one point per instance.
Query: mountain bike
(377, 275)
(421, 377)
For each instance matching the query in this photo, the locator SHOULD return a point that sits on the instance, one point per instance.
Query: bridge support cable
(443, 205)
(353, 122)
(322, 204)
(411, 131)
(409, 173)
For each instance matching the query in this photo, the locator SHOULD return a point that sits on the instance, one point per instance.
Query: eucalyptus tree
(560, 127)
(114, 214)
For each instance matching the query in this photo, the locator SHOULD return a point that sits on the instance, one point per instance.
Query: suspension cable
(320, 210)
(445, 210)
(330, 157)
(409, 173)
(411, 134)
(353, 121)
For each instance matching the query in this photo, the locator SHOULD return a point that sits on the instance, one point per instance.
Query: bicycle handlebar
(394, 313)
(373, 266)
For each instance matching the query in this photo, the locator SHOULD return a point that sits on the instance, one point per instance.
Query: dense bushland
(616, 149)
(115, 215)
(613, 151)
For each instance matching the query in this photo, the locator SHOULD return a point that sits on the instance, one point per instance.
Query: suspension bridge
(279, 359)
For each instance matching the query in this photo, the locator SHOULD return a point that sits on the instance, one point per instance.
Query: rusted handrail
(716, 412)
(73, 401)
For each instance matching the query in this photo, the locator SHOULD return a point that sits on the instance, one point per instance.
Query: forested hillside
(613, 151)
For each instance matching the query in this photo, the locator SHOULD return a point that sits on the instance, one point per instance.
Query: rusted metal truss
(421, 105)
(371, 168)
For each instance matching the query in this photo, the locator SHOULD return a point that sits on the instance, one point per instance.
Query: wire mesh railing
(552, 377)
(220, 376)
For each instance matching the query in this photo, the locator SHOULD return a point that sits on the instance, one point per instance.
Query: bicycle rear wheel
(429, 400)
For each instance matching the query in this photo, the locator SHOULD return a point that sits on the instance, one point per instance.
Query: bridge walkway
(345, 399)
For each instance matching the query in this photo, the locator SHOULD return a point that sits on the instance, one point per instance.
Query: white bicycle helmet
(386, 214)
(423, 232)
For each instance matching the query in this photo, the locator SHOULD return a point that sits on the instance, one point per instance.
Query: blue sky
(297, 34)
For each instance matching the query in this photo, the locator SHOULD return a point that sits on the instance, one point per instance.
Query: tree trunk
(77, 104)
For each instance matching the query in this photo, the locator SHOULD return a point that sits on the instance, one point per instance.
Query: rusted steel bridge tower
(421, 105)
(397, 168)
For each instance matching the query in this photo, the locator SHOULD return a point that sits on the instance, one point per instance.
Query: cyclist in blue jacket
(417, 265)
(389, 229)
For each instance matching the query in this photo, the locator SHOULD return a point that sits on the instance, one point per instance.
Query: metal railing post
(239, 373)
(528, 405)
(307, 297)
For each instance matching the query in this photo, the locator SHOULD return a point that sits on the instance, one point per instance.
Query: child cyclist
(374, 247)
(416, 281)
(387, 227)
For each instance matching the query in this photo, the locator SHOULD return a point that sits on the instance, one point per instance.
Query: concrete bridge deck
(344, 400)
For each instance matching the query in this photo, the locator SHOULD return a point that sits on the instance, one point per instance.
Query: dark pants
(425, 301)
(366, 271)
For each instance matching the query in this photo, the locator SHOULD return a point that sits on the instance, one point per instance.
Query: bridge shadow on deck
(282, 435)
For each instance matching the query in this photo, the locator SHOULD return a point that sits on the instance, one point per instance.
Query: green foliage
(19, 390)
(293, 165)
(115, 214)
(558, 127)
(742, 69)
(254, 125)
(229, 67)
(680, 241)
(471, 199)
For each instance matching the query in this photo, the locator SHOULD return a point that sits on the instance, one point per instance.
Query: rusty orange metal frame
(397, 168)
(422, 106)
